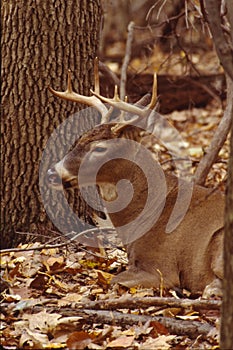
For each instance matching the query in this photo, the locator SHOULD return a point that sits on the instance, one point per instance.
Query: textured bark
(40, 41)
(223, 43)
(145, 302)
(218, 140)
(227, 306)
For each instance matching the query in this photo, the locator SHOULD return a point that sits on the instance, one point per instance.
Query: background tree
(227, 308)
(40, 41)
(220, 18)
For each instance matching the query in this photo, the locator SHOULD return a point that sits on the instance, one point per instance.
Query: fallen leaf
(104, 277)
(121, 342)
(24, 292)
(158, 329)
(12, 297)
(79, 340)
(34, 340)
(53, 263)
(160, 343)
(195, 151)
(42, 321)
(39, 282)
(69, 298)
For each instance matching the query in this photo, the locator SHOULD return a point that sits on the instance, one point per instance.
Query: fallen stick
(174, 326)
(144, 302)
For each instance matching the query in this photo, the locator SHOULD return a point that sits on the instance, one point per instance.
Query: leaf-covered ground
(51, 303)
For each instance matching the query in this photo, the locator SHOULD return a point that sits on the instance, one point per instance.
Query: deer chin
(108, 191)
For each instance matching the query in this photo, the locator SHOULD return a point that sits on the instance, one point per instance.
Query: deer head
(141, 206)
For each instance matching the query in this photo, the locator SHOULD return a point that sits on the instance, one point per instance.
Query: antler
(97, 100)
(127, 107)
(70, 95)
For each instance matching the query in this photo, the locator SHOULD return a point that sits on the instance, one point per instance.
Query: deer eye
(99, 149)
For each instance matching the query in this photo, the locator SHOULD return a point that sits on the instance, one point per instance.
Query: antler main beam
(97, 100)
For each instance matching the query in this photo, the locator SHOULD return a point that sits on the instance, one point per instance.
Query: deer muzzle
(58, 178)
(53, 178)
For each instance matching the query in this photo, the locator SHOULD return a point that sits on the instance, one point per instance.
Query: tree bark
(227, 305)
(40, 41)
(223, 43)
(218, 140)
(224, 48)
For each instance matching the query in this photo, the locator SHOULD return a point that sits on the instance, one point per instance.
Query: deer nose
(53, 177)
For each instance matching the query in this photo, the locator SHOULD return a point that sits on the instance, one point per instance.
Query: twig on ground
(131, 303)
(44, 246)
(174, 326)
(136, 303)
(70, 239)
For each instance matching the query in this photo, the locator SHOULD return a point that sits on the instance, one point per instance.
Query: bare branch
(42, 247)
(110, 74)
(218, 139)
(126, 60)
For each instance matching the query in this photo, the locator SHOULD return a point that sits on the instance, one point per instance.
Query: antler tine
(96, 76)
(69, 83)
(116, 96)
(122, 115)
(127, 107)
(154, 93)
(70, 95)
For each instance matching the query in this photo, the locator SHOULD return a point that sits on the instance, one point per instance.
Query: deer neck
(131, 197)
(142, 206)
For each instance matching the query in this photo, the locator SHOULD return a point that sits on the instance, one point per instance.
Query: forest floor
(61, 297)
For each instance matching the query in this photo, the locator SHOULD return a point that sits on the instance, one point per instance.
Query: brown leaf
(162, 342)
(24, 292)
(158, 329)
(42, 321)
(104, 277)
(39, 282)
(121, 342)
(53, 263)
(79, 340)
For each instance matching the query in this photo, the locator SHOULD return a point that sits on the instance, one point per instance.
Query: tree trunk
(40, 41)
(227, 306)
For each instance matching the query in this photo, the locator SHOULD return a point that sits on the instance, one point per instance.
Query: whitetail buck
(189, 257)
